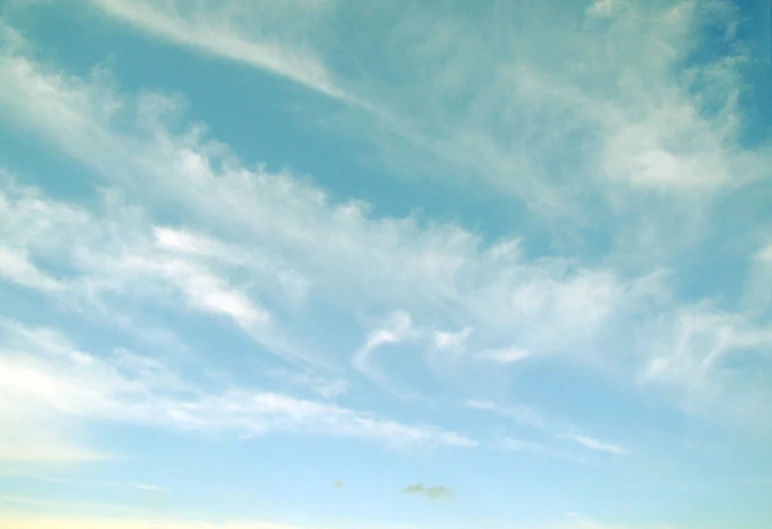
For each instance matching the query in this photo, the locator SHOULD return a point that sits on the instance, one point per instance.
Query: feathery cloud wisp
(53, 379)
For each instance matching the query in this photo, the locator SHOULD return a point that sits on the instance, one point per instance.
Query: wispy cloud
(607, 139)
(653, 130)
(397, 328)
(395, 262)
(504, 356)
(527, 416)
(455, 341)
(337, 253)
(694, 356)
(52, 380)
(15, 266)
(594, 444)
(213, 30)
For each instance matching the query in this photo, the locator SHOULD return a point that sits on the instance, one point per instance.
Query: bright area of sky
(337, 264)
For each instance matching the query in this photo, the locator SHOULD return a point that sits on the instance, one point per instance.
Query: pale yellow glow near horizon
(26, 522)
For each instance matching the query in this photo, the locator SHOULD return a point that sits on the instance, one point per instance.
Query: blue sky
(312, 264)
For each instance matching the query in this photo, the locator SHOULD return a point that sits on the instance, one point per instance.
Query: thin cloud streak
(526, 416)
(201, 33)
(128, 388)
(594, 444)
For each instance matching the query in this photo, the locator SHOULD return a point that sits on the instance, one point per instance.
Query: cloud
(15, 266)
(612, 151)
(648, 114)
(657, 131)
(504, 356)
(122, 254)
(397, 328)
(623, 105)
(211, 28)
(594, 444)
(527, 416)
(300, 248)
(211, 294)
(455, 341)
(44, 379)
(396, 262)
(603, 8)
(698, 356)
(433, 493)
(392, 262)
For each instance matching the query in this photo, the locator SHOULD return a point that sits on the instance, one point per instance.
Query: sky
(332, 264)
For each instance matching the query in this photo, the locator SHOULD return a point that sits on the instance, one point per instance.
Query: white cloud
(606, 118)
(212, 28)
(266, 225)
(602, 8)
(16, 267)
(455, 341)
(710, 362)
(594, 444)
(765, 255)
(508, 355)
(439, 268)
(184, 242)
(120, 254)
(397, 328)
(572, 107)
(45, 379)
(210, 293)
(527, 416)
